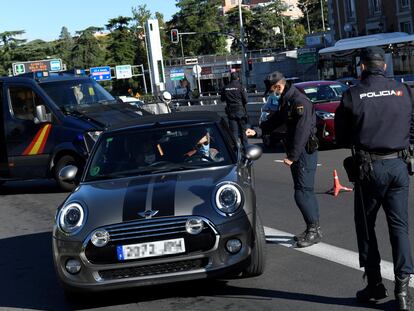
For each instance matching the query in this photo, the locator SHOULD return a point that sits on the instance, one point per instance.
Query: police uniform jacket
(297, 112)
(376, 115)
(236, 99)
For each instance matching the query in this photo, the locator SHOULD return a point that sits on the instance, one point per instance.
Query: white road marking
(281, 161)
(329, 252)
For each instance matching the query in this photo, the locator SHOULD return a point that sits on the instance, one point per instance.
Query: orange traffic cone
(337, 186)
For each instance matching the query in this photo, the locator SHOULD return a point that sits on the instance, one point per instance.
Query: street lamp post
(148, 59)
(243, 48)
(323, 16)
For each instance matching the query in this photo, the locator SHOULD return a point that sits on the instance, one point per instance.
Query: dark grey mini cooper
(169, 198)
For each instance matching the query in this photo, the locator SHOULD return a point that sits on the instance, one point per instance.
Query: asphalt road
(293, 280)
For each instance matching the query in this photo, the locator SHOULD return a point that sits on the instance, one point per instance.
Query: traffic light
(175, 36)
(250, 63)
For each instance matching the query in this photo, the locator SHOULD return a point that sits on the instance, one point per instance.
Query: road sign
(191, 61)
(177, 74)
(197, 69)
(123, 71)
(100, 73)
(38, 65)
(308, 58)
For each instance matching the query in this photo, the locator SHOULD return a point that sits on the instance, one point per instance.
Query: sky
(44, 19)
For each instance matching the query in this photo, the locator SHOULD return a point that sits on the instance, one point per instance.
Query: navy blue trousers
(238, 128)
(387, 187)
(303, 173)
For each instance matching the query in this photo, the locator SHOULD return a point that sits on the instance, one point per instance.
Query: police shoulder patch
(299, 110)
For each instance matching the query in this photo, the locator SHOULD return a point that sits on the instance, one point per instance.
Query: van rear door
(28, 141)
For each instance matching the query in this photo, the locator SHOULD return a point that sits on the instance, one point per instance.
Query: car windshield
(325, 92)
(150, 151)
(74, 94)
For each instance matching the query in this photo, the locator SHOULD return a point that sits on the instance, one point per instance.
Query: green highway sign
(308, 58)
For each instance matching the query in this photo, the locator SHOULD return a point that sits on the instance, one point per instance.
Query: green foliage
(9, 46)
(204, 18)
(264, 27)
(87, 51)
(64, 46)
(312, 9)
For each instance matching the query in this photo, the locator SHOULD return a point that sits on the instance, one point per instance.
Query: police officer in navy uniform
(375, 118)
(296, 111)
(236, 100)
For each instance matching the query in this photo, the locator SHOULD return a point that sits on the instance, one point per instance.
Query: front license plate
(151, 249)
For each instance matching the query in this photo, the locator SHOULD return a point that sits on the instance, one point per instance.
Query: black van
(50, 120)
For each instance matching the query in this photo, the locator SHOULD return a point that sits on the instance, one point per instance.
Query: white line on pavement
(281, 161)
(329, 252)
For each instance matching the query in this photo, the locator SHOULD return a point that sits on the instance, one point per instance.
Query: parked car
(164, 199)
(326, 96)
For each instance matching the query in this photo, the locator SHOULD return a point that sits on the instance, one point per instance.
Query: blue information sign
(101, 73)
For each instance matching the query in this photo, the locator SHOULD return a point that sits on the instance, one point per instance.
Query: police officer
(236, 99)
(375, 117)
(296, 111)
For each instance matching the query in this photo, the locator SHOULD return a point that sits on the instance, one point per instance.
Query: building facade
(351, 18)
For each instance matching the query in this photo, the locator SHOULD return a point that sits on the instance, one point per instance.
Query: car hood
(327, 107)
(107, 115)
(172, 194)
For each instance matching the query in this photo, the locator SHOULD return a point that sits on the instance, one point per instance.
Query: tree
(8, 47)
(34, 50)
(140, 16)
(312, 9)
(87, 51)
(64, 46)
(204, 18)
(121, 41)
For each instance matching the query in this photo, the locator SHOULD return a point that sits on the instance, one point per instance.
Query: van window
(23, 102)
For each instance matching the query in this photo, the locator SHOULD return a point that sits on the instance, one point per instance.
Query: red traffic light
(175, 36)
(250, 64)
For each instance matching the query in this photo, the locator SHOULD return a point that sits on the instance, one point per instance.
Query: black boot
(300, 236)
(312, 236)
(402, 292)
(375, 290)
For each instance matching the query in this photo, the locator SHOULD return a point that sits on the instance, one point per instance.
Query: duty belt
(378, 156)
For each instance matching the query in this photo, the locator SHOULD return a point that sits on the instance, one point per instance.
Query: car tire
(258, 257)
(62, 162)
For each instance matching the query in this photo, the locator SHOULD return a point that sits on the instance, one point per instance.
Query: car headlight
(325, 115)
(71, 218)
(228, 199)
(94, 135)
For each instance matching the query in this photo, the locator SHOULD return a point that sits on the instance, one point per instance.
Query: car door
(27, 139)
(4, 163)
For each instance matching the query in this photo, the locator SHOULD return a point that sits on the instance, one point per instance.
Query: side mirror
(41, 115)
(253, 152)
(68, 173)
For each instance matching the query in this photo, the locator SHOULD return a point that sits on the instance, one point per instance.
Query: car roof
(316, 83)
(175, 118)
(51, 78)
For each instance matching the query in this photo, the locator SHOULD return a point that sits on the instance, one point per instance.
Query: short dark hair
(234, 76)
(373, 64)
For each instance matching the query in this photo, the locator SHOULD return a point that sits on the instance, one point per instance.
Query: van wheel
(258, 256)
(65, 161)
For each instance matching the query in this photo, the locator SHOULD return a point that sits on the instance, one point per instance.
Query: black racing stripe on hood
(163, 199)
(135, 199)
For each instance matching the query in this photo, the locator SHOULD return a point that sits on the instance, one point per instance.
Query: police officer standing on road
(236, 100)
(296, 111)
(375, 118)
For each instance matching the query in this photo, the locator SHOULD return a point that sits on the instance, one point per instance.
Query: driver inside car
(203, 149)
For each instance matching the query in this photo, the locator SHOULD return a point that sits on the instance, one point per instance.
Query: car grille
(149, 230)
(148, 270)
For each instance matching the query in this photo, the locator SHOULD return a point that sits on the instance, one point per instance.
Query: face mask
(150, 158)
(205, 149)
